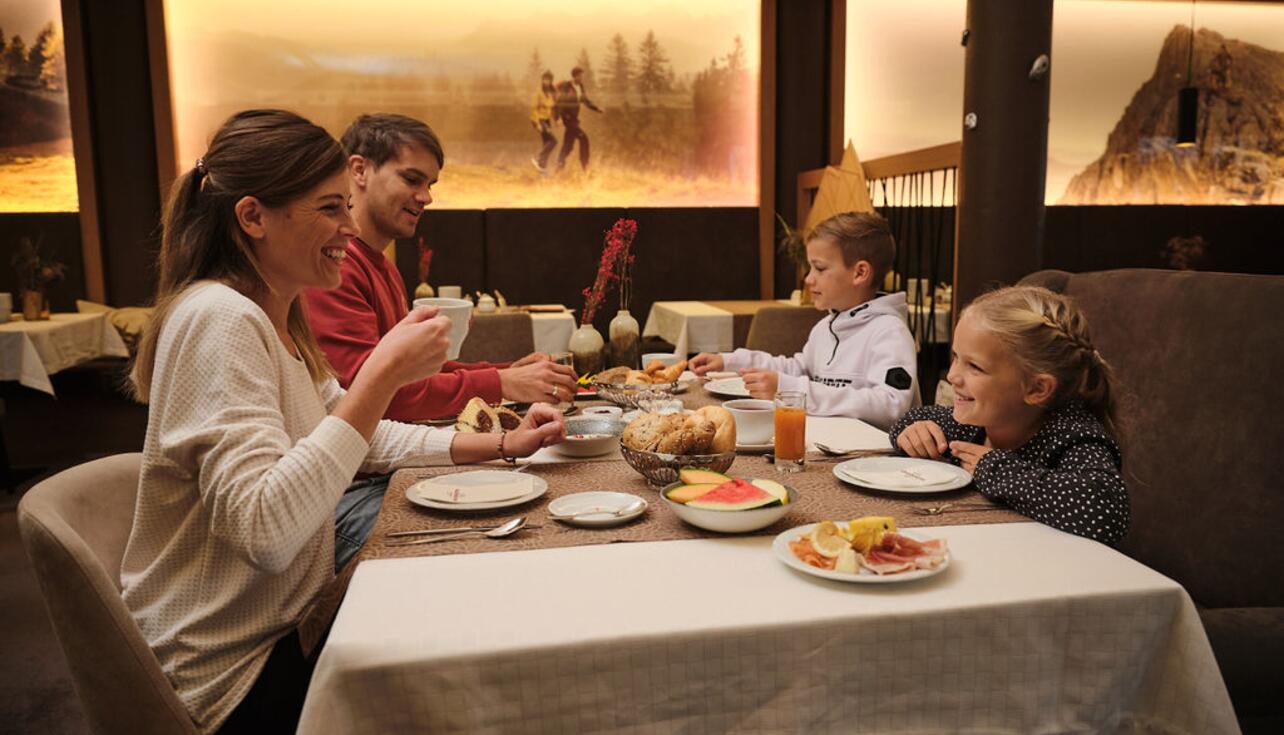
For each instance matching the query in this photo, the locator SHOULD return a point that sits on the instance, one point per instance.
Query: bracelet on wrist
(510, 460)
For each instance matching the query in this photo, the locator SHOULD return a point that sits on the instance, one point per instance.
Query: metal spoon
(633, 507)
(455, 529)
(507, 529)
(824, 449)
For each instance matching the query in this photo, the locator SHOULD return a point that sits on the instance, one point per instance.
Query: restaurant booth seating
(74, 526)
(1198, 358)
(498, 338)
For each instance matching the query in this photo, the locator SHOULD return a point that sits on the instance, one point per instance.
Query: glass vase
(626, 340)
(585, 347)
(33, 305)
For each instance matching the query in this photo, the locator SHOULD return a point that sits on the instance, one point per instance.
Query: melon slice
(775, 488)
(694, 476)
(687, 493)
(735, 495)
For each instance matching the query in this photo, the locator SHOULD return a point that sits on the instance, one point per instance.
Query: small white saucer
(598, 500)
(755, 448)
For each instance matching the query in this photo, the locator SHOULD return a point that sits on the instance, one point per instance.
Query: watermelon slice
(735, 495)
(687, 493)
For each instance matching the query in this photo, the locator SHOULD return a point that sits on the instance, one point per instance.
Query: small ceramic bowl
(590, 436)
(730, 521)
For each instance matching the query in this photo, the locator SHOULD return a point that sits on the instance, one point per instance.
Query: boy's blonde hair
(1047, 333)
(861, 236)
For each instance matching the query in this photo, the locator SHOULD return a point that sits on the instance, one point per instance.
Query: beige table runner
(822, 497)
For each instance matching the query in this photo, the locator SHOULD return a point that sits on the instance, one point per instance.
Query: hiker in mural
(542, 120)
(570, 96)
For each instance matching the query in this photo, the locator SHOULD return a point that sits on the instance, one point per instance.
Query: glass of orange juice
(791, 430)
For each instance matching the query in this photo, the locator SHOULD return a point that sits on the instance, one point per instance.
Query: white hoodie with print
(859, 362)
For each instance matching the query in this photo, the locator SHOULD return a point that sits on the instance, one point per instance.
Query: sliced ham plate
(897, 553)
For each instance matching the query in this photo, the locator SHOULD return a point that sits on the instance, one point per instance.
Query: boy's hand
(704, 362)
(761, 383)
(968, 454)
(923, 439)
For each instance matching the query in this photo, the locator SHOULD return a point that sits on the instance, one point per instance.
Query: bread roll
(724, 439)
(671, 373)
(702, 432)
(637, 377)
(653, 367)
(614, 376)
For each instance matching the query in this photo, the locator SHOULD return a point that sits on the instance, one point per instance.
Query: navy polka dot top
(1067, 476)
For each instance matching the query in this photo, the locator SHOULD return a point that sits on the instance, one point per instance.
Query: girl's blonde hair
(1046, 333)
(273, 155)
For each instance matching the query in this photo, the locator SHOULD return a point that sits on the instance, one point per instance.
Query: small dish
(728, 388)
(730, 521)
(590, 436)
(780, 546)
(583, 505)
(874, 473)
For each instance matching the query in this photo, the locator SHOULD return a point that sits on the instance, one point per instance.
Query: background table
(722, 326)
(1029, 630)
(31, 351)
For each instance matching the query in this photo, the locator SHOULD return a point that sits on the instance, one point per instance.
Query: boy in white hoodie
(858, 362)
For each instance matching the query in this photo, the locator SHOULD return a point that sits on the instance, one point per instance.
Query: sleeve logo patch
(899, 379)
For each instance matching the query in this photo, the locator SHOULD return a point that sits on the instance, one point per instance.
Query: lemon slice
(827, 540)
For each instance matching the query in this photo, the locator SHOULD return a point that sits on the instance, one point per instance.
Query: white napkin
(443, 490)
(923, 475)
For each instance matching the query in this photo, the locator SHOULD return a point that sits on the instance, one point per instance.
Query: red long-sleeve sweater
(349, 321)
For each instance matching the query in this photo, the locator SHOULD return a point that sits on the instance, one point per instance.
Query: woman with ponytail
(1034, 414)
(250, 441)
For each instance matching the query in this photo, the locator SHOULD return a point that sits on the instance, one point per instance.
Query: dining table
(658, 626)
(31, 351)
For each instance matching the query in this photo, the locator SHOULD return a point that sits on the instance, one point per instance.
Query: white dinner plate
(863, 576)
(729, 388)
(849, 472)
(598, 500)
(539, 486)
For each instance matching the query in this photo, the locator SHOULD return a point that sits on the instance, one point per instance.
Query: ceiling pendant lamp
(1188, 97)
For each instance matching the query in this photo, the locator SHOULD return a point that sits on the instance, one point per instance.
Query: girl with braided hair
(1034, 414)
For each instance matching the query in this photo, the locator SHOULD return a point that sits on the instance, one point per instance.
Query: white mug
(458, 311)
(450, 292)
(755, 419)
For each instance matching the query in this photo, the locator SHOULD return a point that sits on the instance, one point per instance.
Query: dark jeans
(275, 702)
(549, 144)
(355, 516)
(573, 133)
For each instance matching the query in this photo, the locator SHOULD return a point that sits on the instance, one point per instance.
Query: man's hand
(704, 362)
(542, 427)
(533, 357)
(538, 381)
(923, 439)
(761, 383)
(969, 454)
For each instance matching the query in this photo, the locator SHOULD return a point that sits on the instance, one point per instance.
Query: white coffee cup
(6, 307)
(458, 311)
(450, 292)
(668, 358)
(755, 419)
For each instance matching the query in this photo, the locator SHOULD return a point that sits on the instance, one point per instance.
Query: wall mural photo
(663, 110)
(37, 170)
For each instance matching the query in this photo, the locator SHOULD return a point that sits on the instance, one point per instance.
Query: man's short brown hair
(378, 137)
(861, 236)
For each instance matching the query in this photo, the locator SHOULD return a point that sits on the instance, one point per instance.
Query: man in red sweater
(393, 161)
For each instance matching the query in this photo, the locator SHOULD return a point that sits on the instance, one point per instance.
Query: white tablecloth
(552, 332)
(32, 351)
(1029, 630)
(695, 326)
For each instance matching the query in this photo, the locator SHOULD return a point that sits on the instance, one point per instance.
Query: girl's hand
(704, 362)
(923, 439)
(542, 427)
(761, 383)
(969, 454)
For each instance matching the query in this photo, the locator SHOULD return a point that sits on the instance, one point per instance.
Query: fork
(831, 452)
(936, 510)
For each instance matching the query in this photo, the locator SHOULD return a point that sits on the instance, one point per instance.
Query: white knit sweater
(233, 530)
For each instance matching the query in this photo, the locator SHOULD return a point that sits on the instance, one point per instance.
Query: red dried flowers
(616, 266)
